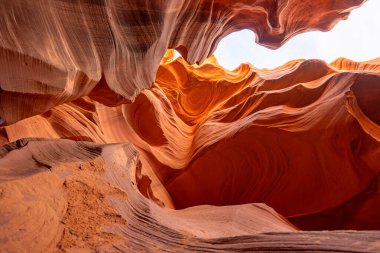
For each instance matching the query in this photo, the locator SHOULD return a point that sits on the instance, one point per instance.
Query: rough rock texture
(167, 155)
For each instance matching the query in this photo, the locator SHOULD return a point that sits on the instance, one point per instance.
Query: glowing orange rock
(269, 136)
(250, 135)
(58, 51)
(165, 155)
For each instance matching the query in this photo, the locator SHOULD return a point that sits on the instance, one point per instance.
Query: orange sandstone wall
(54, 52)
(109, 142)
(302, 138)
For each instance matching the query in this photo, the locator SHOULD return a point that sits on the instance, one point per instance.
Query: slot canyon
(110, 143)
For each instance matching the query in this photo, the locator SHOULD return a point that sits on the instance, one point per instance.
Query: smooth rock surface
(110, 144)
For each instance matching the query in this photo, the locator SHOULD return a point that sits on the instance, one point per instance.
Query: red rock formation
(74, 196)
(303, 138)
(62, 48)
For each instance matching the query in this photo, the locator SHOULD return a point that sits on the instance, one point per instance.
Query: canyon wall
(111, 143)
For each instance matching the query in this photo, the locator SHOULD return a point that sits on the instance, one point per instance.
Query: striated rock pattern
(65, 196)
(63, 48)
(109, 144)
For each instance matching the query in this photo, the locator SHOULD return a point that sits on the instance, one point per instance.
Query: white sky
(357, 38)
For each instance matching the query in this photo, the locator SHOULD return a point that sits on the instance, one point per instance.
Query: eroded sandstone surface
(110, 144)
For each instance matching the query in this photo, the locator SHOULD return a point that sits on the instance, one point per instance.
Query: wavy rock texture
(77, 196)
(168, 156)
(80, 194)
(63, 48)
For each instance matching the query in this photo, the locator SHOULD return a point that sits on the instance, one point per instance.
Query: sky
(357, 38)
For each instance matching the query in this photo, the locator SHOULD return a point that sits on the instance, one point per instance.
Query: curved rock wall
(164, 154)
(56, 51)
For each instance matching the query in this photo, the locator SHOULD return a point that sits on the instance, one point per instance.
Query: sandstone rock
(110, 144)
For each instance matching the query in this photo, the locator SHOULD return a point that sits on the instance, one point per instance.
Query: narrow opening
(357, 39)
